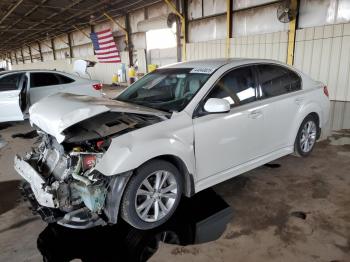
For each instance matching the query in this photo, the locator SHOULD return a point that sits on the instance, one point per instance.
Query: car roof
(217, 63)
(30, 70)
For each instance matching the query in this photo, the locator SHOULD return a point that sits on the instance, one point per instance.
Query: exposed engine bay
(63, 178)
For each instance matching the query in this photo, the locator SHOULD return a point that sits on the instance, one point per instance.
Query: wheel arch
(313, 113)
(188, 181)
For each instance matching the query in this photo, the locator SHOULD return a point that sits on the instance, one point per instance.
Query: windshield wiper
(145, 104)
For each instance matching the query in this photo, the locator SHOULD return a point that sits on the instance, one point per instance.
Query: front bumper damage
(74, 204)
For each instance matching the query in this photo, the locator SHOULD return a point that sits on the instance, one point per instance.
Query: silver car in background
(20, 89)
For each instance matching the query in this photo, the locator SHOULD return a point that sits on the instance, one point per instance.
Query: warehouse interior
(289, 210)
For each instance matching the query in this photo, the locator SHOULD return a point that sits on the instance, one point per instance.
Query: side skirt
(237, 170)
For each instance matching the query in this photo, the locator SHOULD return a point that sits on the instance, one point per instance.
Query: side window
(64, 79)
(43, 79)
(10, 82)
(237, 87)
(295, 81)
(276, 80)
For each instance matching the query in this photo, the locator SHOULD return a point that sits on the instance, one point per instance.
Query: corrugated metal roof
(25, 21)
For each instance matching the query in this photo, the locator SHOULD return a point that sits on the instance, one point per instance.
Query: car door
(279, 87)
(227, 140)
(43, 84)
(13, 97)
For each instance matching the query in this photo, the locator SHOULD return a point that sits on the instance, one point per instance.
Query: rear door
(13, 93)
(43, 84)
(279, 87)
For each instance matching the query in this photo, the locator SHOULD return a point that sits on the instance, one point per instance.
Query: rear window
(276, 80)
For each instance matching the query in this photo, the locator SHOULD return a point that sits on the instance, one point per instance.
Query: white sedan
(20, 89)
(176, 131)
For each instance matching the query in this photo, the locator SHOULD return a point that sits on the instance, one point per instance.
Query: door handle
(255, 114)
(12, 96)
(299, 100)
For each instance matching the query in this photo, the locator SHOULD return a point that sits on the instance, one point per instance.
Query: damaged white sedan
(173, 133)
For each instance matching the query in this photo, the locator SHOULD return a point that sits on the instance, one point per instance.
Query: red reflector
(89, 161)
(325, 91)
(97, 86)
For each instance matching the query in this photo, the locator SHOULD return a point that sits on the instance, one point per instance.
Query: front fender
(131, 150)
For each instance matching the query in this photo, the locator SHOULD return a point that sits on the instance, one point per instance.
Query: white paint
(56, 113)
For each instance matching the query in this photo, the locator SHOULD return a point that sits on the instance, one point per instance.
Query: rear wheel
(152, 195)
(306, 137)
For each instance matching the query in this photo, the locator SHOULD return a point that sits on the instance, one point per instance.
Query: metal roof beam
(9, 12)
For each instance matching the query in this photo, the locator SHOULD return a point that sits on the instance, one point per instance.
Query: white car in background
(176, 131)
(20, 89)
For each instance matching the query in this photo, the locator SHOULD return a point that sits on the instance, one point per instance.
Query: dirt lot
(293, 210)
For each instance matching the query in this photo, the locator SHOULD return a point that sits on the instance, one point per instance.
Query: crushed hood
(56, 113)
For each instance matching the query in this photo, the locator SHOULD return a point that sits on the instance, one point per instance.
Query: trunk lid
(56, 113)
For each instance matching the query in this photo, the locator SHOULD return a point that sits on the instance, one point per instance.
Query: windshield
(165, 89)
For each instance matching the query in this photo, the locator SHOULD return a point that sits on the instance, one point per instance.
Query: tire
(307, 136)
(147, 203)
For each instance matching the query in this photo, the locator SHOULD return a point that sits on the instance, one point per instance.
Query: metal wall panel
(323, 12)
(339, 116)
(324, 53)
(158, 9)
(207, 29)
(194, 9)
(257, 21)
(212, 7)
(240, 4)
(269, 46)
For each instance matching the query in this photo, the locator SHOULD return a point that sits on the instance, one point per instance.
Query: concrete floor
(295, 210)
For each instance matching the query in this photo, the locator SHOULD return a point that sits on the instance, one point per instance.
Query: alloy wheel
(156, 196)
(308, 136)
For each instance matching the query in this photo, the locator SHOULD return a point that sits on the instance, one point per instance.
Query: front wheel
(306, 137)
(152, 195)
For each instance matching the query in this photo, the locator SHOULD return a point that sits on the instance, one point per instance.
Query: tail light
(325, 91)
(97, 86)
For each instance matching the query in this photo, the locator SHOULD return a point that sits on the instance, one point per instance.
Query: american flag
(105, 48)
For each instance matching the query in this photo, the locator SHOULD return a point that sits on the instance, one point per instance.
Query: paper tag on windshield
(202, 70)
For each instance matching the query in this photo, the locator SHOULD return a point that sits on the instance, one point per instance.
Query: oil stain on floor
(10, 189)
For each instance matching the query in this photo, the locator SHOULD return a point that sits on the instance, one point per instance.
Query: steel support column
(30, 53)
(22, 55)
(16, 58)
(292, 31)
(40, 52)
(53, 49)
(183, 26)
(70, 45)
(228, 26)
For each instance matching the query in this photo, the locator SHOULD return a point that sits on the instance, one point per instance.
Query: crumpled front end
(64, 184)
(63, 180)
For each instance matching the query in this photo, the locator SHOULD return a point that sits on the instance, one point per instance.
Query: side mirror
(217, 105)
